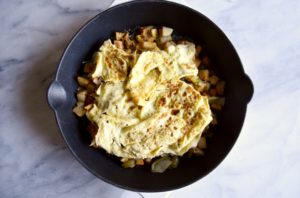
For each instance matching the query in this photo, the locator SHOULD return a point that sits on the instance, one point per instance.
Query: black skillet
(188, 23)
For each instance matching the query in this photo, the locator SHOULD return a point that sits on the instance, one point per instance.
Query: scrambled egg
(143, 109)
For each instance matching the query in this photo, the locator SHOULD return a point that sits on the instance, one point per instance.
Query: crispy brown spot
(175, 111)
(162, 101)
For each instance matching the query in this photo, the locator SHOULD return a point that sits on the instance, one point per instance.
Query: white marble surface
(34, 161)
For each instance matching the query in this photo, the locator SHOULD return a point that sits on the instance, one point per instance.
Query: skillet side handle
(247, 87)
(56, 95)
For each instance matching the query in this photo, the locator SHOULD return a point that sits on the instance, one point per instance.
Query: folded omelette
(143, 108)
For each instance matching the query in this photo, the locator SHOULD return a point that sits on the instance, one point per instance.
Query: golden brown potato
(165, 39)
(213, 80)
(82, 81)
(148, 45)
(220, 87)
(81, 95)
(79, 111)
(119, 35)
(204, 74)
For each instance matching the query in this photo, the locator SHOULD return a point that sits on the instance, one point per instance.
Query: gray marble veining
(34, 161)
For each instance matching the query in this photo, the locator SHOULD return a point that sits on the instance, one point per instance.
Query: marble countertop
(34, 160)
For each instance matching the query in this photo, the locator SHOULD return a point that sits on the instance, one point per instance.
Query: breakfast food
(147, 97)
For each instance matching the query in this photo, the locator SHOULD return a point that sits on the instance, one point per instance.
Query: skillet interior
(186, 22)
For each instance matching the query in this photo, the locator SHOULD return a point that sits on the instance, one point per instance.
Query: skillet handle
(247, 87)
(56, 95)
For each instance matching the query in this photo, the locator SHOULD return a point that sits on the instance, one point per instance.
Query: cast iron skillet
(187, 22)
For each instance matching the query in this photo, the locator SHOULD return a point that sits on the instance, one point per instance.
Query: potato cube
(220, 87)
(166, 31)
(154, 33)
(81, 95)
(165, 39)
(148, 45)
(79, 111)
(119, 35)
(204, 74)
(139, 162)
(88, 68)
(213, 80)
(119, 44)
(82, 81)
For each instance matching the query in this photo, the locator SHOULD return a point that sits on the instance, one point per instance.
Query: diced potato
(139, 38)
(165, 39)
(175, 162)
(139, 162)
(146, 31)
(124, 159)
(213, 80)
(202, 143)
(161, 164)
(128, 42)
(119, 35)
(82, 81)
(154, 33)
(220, 87)
(119, 44)
(202, 87)
(148, 45)
(130, 163)
(81, 95)
(126, 36)
(166, 31)
(88, 107)
(151, 39)
(217, 100)
(79, 111)
(88, 68)
(80, 104)
(204, 74)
